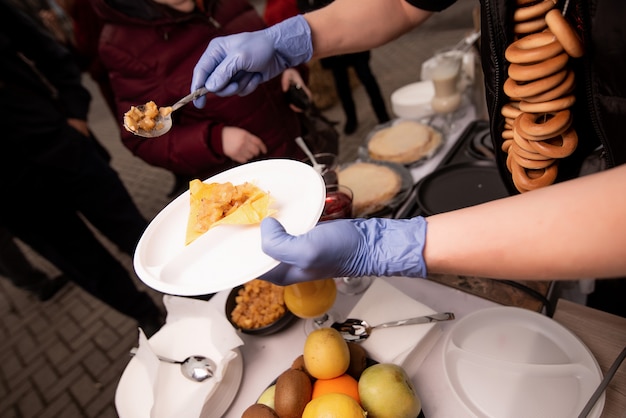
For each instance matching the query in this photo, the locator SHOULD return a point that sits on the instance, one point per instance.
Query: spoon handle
(189, 98)
(133, 351)
(445, 316)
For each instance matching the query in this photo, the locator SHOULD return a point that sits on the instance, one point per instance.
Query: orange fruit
(345, 384)
(333, 405)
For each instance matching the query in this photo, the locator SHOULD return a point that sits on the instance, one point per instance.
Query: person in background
(149, 49)
(276, 11)
(56, 182)
(544, 234)
(339, 65)
(16, 267)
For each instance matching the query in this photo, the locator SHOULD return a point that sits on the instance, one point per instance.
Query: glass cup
(446, 72)
(329, 163)
(338, 203)
(312, 301)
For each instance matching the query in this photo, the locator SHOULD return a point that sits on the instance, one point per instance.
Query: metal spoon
(316, 166)
(164, 123)
(196, 368)
(356, 330)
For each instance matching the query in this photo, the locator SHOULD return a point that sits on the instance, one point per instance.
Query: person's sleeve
(431, 5)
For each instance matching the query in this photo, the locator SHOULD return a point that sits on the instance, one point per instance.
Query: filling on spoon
(146, 118)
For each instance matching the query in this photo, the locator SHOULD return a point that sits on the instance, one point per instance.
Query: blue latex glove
(237, 64)
(346, 248)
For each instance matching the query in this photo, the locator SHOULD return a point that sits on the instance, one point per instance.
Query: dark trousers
(15, 266)
(52, 214)
(360, 62)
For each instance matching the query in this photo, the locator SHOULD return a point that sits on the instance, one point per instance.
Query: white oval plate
(227, 255)
(512, 362)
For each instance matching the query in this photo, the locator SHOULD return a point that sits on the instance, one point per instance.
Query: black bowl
(272, 328)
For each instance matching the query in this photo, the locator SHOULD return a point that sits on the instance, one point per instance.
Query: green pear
(387, 392)
(267, 397)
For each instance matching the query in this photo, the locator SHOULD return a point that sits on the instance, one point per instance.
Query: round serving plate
(458, 186)
(516, 363)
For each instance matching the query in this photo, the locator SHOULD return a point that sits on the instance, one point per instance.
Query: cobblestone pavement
(64, 357)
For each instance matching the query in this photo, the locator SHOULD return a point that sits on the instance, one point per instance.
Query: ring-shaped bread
(510, 110)
(529, 179)
(530, 26)
(521, 142)
(533, 48)
(530, 72)
(534, 156)
(555, 105)
(533, 11)
(561, 146)
(564, 33)
(539, 126)
(513, 88)
(563, 89)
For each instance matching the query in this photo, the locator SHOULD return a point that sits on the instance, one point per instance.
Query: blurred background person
(56, 181)
(276, 11)
(15, 266)
(339, 66)
(149, 49)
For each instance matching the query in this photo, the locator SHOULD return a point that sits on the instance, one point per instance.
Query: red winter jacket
(150, 51)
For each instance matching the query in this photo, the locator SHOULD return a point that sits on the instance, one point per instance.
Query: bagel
(510, 110)
(530, 26)
(533, 11)
(506, 145)
(526, 180)
(532, 88)
(521, 142)
(544, 125)
(546, 107)
(565, 88)
(560, 146)
(528, 163)
(564, 33)
(534, 156)
(530, 72)
(536, 47)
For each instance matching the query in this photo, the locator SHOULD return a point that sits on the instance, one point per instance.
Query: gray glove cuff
(292, 41)
(391, 247)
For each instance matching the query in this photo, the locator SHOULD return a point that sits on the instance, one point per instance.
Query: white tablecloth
(266, 357)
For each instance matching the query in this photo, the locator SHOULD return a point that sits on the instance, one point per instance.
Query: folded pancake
(213, 204)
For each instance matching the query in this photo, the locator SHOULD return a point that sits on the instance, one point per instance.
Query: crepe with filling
(213, 204)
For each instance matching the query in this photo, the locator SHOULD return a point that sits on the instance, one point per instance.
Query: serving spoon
(163, 123)
(316, 166)
(356, 330)
(196, 368)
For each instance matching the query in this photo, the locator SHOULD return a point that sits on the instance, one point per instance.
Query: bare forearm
(572, 230)
(357, 25)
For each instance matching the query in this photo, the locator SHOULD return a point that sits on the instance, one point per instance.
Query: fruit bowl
(282, 322)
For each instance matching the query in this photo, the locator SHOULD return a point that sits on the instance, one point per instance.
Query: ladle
(356, 330)
(165, 122)
(316, 166)
(196, 368)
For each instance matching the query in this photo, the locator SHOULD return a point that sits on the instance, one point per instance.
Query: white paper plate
(134, 393)
(512, 362)
(227, 255)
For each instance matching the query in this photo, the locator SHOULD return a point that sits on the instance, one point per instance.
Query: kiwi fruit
(293, 392)
(358, 360)
(258, 410)
(298, 364)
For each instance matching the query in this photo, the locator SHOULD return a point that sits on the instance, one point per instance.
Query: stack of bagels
(538, 129)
